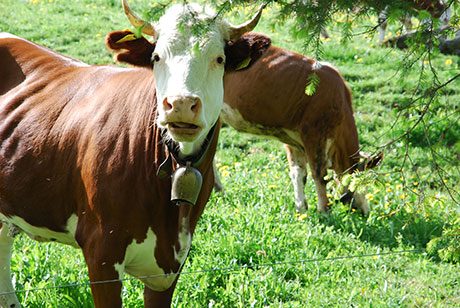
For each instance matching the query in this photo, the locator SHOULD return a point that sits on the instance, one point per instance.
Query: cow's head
(188, 60)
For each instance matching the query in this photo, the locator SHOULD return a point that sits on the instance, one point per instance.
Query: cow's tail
(369, 161)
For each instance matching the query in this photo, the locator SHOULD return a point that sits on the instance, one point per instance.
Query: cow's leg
(106, 294)
(298, 173)
(99, 256)
(383, 22)
(6, 243)
(156, 299)
(317, 159)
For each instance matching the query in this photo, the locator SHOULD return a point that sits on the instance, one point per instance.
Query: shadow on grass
(386, 231)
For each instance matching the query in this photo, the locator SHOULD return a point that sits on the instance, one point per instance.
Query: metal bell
(186, 184)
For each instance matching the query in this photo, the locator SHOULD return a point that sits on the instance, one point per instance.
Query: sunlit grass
(254, 221)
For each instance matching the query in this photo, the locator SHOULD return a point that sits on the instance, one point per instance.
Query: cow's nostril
(195, 104)
(167, 105)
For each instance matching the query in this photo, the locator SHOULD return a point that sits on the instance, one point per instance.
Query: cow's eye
(156, 58)
(220, 60)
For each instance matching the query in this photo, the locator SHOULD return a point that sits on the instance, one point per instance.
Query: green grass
(254, 221)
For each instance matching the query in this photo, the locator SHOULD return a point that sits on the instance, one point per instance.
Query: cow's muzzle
(181, 114)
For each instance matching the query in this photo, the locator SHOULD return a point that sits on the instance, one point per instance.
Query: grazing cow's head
(188, 62)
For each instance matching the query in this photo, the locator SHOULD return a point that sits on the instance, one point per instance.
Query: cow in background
(269, 99)
(87, 152)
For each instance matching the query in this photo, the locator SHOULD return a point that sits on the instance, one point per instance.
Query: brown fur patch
(136, 52)
(251, 45)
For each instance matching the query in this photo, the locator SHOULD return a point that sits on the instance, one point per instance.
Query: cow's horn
(237, 31)
(136, 21)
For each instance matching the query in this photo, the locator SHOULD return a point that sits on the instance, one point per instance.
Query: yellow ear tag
(127, 38)
(243, 64)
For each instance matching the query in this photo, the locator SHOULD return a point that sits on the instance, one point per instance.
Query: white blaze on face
(189, 67)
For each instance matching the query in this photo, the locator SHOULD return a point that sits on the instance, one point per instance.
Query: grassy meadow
(265, 253)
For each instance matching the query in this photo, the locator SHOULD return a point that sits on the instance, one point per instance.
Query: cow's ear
(245, 51)
(130, 49)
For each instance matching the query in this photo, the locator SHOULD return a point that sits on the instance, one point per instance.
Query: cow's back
(269, 99)
(269, 92)
(65, 127)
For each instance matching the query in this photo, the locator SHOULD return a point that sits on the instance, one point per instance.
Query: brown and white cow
(81, 146)
(268, 98)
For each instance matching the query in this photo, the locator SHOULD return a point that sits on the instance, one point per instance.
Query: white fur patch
(298, 175)
(317, 65)
(185, 240)
(234, 118)
(322, 63)
(140, 261)
(45, 234)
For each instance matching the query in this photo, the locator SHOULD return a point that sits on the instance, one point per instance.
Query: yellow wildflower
(223, 168)
(303, 217)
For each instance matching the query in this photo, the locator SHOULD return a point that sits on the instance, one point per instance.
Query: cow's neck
(165, 169)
